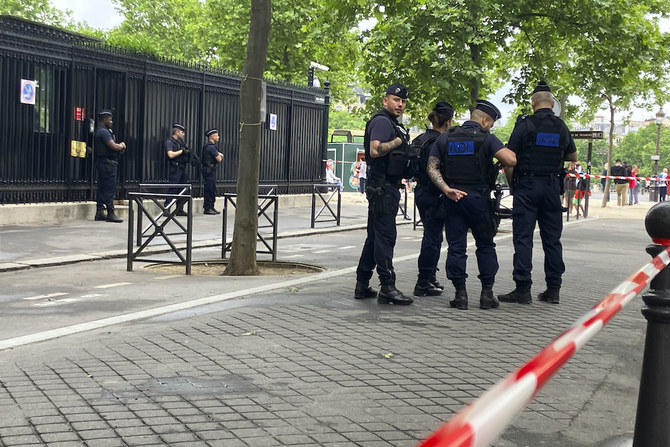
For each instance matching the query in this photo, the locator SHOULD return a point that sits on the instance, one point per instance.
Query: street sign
(655, 157)
(27, 91)
(587, 134)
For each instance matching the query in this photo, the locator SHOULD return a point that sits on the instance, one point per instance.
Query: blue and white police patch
(461, 148)
(547, 139)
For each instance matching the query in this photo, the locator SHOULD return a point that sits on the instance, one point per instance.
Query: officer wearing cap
(107, 153)
(178, 157)
(386, 146)
(210, 158)
(541, 142)
(461, 166)
(428, 200)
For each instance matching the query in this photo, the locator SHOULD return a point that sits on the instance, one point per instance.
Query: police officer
(210, 158)
(461, 166)
(541, 142)
(178, 157)
(386, 145)
(428, 200)
(107, 153)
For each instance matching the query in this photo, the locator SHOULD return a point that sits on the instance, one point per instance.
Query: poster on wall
(27, 91)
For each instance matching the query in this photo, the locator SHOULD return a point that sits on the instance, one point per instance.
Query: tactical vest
(181, 159)
(393, 166)
(420, 150)
(464, 162)
(101, 148)
(207, 159)
(543, 151)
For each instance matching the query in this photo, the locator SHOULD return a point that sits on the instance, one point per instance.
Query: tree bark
(243, 251)
(606, 192)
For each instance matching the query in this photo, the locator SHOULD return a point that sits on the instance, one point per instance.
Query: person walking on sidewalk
(663, 185)
(542, 142)
(461, 166)
(210, 158)
(428, 199)
(386, 145)
(107, 153)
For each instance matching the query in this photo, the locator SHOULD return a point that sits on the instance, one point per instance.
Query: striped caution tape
(616, 177)
(482, 421)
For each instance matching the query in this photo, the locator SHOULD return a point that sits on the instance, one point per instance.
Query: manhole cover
(218, 266)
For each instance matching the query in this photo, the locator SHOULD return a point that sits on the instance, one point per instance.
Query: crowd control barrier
(158, 223)
(484, 420)
(330, 190)
(265, 220)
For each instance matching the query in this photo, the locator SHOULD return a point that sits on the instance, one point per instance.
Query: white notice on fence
(27, 93)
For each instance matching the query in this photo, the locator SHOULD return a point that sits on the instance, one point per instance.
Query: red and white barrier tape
(616, 177)
(482, 421)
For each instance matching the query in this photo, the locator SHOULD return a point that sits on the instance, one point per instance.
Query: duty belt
(108, 161)
(533, 174)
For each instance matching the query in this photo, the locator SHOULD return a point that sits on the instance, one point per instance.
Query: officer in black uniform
(386, 145)
(107, 152)
(210, 158)
(428, 200)
(178, 157)
(461, 166)
(541, 142)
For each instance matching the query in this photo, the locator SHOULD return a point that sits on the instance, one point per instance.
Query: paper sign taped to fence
(27, 91)
(78, 149)
(272, 124)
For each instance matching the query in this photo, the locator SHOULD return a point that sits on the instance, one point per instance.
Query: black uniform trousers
(106, 183)
(209, 186)
(474, 212)
(431, 211)
(178, 175)
(381, 237)
(536, 199)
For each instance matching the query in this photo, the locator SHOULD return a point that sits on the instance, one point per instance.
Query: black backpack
(418, 156)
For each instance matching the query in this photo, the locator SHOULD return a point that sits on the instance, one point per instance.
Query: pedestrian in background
(386, 144)
(107, 153)
(621, 184)
(663, 185)
(362, 175)
(461, 166)
(429, 202)
(542, 142)
(211, 157)
(570, 185)
(633, 186)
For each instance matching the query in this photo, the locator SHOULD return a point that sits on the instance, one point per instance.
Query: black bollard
(652, 422)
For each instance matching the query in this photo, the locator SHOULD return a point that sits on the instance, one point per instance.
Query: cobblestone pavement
(310, 366)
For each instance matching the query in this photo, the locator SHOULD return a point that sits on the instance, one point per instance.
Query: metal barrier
(185, 190)
(266, 202)
(483, 420)
(158, 225)
(316, 191)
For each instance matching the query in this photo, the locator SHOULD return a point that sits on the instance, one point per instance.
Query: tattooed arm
(379, 149)
(436, 177)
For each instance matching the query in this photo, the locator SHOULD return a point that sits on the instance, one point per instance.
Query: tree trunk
(606, 192)
(243, 252)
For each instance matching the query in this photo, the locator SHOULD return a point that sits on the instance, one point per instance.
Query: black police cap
(398, 90)
(210, 132)
(489, 109)
(179, 126)
(444, 108)
(541, 87)
(104, 113)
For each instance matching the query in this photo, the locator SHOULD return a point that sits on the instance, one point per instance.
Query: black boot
(460, 301)
(112, 217)
(364, 291)
(486, 298)
(100, 214)
(391, 295)
(435, 282)
(517, 296)
(424, 287)
(210, 211)
(549, 295)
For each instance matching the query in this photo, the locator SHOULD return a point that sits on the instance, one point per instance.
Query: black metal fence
(42, 145)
